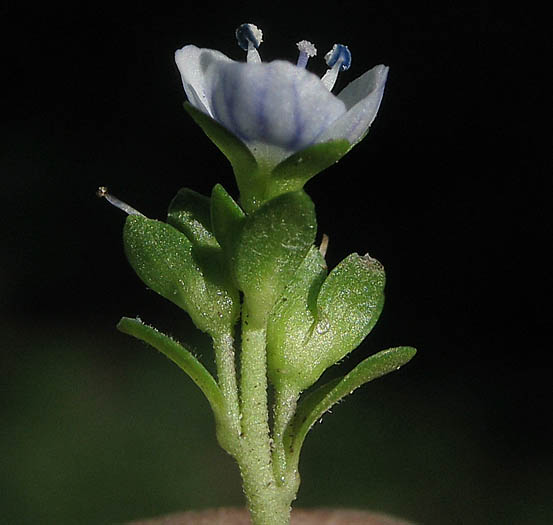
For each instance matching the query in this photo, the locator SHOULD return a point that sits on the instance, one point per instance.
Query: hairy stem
(266, 503)
(286, 400)
(226, 374)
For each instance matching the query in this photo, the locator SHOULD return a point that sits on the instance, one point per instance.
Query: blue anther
(248, 33)
(341, 53)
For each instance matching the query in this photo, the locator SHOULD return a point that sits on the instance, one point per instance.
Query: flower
(278, 108)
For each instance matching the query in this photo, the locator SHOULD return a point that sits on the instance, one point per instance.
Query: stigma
(307, 50)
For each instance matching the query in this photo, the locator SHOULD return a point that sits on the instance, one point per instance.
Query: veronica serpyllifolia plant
(251, 265)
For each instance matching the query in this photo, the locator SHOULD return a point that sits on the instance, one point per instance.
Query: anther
(102, 191)
(337, 59)
(307, 50)
(249, 38)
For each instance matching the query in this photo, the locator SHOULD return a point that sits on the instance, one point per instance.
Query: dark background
(445, 191)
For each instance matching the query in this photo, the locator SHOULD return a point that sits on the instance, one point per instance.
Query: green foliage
(298, 319)
(188, 274)
(190, 213)
(313, 326)
(271, 245)
(180, 356)
(292, 319)
(321, 400)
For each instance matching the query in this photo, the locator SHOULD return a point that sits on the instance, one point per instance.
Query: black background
(445, 191)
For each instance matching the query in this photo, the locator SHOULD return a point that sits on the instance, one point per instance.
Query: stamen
(102, 191)
(337, 59)
(307, 50)
(249, 38)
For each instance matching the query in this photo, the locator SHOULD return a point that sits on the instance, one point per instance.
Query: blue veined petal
(362, 99)
(363, 86)
(193, 64)
(275, 103)
(277, 108)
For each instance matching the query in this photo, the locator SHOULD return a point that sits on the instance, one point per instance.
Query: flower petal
(362, 99)
(274, 103)
(193, 64)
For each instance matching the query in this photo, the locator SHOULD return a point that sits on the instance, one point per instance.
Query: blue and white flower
(279, 108)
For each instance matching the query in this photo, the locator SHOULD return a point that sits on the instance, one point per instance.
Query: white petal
(275, 103)
(193, 64)
(362, 98)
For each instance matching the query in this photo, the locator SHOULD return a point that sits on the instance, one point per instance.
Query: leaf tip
(407, 353)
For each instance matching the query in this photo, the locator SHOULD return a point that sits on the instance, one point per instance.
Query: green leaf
(292, 318)
(347, 307)
(165, 260)
(272, 244)
(292, 173)
(181, 357)
(227, 218)
(315, 404)
(189, 212)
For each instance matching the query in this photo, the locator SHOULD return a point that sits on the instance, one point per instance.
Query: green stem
(286, 400)
(265, 501)
(226, 374)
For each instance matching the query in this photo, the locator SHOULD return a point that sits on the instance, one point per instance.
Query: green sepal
(190, 213)
(271, 245)
(348, 305)
(181, 357)
(292, 173)
(316, 403)
(259, 180)
(238, 154)
(292, 319)
(250, 177)
(166, 261)
(227, 218)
